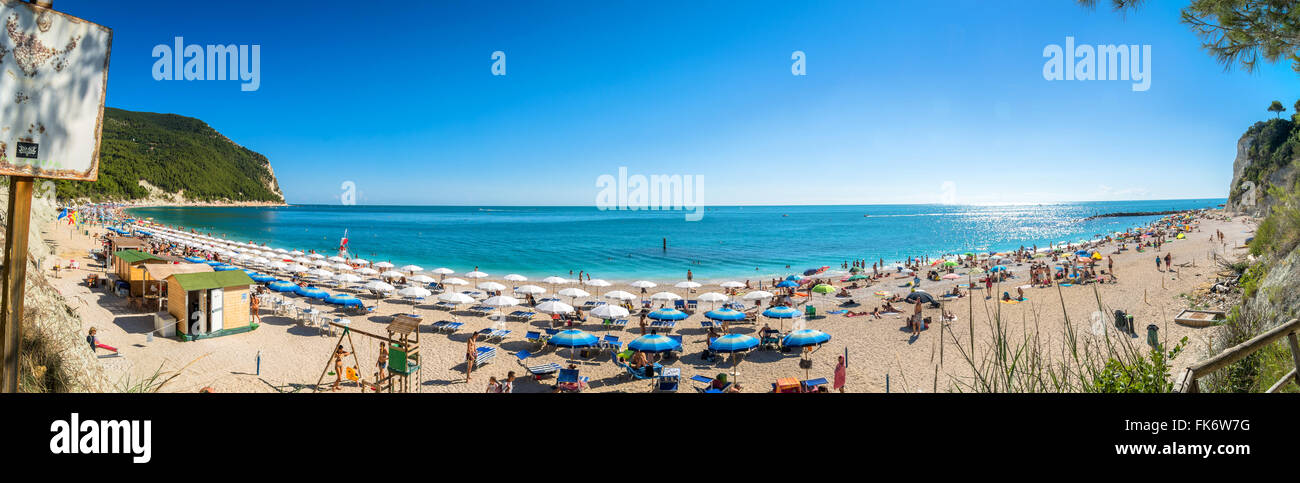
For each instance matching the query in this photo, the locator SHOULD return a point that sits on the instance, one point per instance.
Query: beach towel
(882, 293)
(1012, 302)
(1067, 285)
(105, 346)
(837, 312)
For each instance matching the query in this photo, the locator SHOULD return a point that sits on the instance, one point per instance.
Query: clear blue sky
(898, 98)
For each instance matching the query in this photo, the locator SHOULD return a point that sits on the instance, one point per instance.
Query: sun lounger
(708, 385)
(538, 371)
(708, 324)
(489, 334)
(691, 305)
(663, 325)
(680, 343)
(570, 380)
(669, 380)
(612, 343)
(637, 373)
(679, 305)
(521, 316)
(620, 323)
(811, 384)
(480, 310)
(485, 355)
(444, 306)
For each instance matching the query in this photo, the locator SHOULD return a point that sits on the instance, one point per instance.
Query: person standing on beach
(253, 306)
(471, 353)
(382, 364)
(841, 373)
(1158, 263)
(1169, 261)
(338, 366)
(988, 287)
(688, 275)
(1110, 266)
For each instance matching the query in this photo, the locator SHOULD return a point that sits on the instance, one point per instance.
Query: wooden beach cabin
(129, 264)
(210, 304)
(119, 243)
(155, 280)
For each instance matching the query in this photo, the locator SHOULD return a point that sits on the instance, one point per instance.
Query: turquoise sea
(729, 242)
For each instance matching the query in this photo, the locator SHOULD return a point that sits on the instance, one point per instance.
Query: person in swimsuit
(471, 353)
(382, 365)
(338, 366)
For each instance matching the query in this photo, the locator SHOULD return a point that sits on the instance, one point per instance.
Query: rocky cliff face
(1268, 155)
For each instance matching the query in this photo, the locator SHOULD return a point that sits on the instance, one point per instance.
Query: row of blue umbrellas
(574, 338)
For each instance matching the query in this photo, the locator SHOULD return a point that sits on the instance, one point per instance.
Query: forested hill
(146, 156)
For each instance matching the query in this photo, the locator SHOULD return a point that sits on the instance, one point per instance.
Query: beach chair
(444, 306)
(484, 356)
(538, 371)
(770, 339)
(570, 380)
(679, 305)
(812, 384)
(680, 343)
(669, 380)
(537, 337)
(451, 327)
(620, 323)
(708, 385)
(645, 304)
(692, 305)
(708, 324)
(637, 374)
(611, 343)
(521, 316)
(489, 334)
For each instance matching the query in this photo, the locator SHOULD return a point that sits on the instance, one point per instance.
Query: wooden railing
(1240, 351)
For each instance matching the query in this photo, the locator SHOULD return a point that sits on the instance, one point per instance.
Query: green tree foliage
(1276, 108)
(175, 153)
(1239, 32)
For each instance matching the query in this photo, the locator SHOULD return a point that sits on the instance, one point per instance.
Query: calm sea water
(729, 242)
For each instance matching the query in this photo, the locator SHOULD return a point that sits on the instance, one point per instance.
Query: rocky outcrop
(1268, 155)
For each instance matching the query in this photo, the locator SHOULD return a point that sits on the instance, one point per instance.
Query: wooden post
(15, 275)
(1295, 355)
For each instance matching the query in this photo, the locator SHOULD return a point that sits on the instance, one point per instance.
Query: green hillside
(177, 154)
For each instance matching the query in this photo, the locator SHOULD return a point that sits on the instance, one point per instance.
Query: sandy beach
(293, 356)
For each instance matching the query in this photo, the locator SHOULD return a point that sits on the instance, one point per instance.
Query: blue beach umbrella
(654, 343)
(344, 300)
(261, 277)
(805, 338)
(224, 268)
(1082, 253)
(283, 286)
(787, 283)
(725, 314)
(997, 268)
(781, 312)
(311, 292)
(573, 339)
(195, 260)
(794, 277)
(214, 263)
(668, 314)
(733, 343)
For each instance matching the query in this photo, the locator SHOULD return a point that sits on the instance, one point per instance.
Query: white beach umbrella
(296, 253)
(295, 268)
(574, 292)
(321, 273)
(731, 284)
(420, 279)
(501, 301)
(514, 277)
(343, 267)
(383, 265)
(379, 286)
(455, 281)
(392, 274)
(443, 271)
(302, 260)
(278, 265)
(455, 298)
(316, 256)
(712, 297)
(491, 286)
(758, 294)
(262, 260)
(554, 280)
(367, 271)
(347, 278)
(360, 261)
(476, 274)
(322, 263)
(620, 295)
(411, 268)
(665, 297)
(281, 250)
(530, 289)
(609, 311)
(414, 292)
(554, 307)
(337, 259)
(687, 284)
(643, 284)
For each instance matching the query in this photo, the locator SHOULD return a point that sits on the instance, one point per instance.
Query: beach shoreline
(879, 349)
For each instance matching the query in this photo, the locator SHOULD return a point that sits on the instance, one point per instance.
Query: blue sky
(899, 97)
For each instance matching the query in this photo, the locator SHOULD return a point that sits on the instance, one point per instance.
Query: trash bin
(810, 311)
(1153, 338)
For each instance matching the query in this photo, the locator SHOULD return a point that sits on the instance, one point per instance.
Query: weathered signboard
(53, 74)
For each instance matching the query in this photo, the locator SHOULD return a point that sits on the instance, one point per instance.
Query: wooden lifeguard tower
(403, 343)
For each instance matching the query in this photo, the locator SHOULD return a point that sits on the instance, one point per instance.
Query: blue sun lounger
(485, 355)
(498, 334)
(521, 316)
(570, 380)
(538, 371)
(447, 326)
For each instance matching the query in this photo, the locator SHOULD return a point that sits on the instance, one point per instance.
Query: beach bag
(805, 363)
